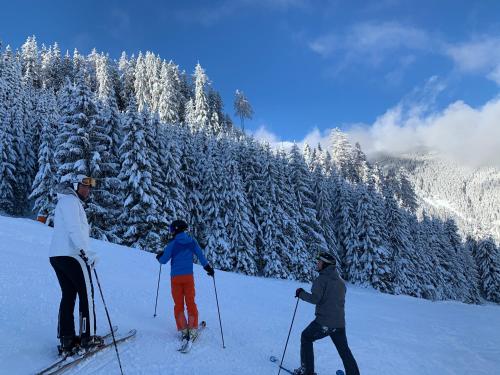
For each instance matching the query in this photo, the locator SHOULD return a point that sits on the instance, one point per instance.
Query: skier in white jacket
(72, 261)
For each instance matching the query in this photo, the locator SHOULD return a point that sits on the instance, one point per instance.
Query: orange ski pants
(183, 291)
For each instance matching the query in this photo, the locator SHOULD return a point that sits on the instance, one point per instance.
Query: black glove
(210, 270)
(298, 291)
(159, 255)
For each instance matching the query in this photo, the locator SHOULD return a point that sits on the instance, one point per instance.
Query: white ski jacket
(71, 228)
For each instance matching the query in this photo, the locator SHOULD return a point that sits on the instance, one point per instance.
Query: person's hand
(298, 291)
(159, 255)
(210, 270)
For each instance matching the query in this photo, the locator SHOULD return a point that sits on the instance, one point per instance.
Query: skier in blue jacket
(180, 251)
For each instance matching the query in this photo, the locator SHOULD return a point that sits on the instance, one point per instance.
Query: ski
(72, 361)
(189, 344)
(62, 359)
(273, 359)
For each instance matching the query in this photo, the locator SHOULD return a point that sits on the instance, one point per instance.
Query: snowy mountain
(471, 196)
(389, 335)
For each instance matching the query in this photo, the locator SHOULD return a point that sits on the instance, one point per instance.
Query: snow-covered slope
(390, 335)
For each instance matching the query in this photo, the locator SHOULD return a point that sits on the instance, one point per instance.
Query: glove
(210, 270)
(298, 291)
(89, 257)
(159, 255)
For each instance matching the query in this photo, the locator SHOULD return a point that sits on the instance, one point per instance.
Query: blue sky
(304, 65)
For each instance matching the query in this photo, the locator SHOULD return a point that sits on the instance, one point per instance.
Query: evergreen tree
(242, 107)
(43, 189)
(311, 230)
(369, 261)
(137, 216)
(201, 110)
(487, 259)
(170, 98)
(215, 234)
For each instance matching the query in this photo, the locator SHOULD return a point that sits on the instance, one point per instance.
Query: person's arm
(70, 212)
(317, 291)
(167, 253)
(199, 253)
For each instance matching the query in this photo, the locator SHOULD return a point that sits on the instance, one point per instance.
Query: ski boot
(184, 339)
(302, 371)
(68, 346)
(90, 342)
(193, 334)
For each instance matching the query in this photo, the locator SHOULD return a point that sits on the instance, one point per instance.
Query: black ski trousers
(315, 331)
(75, 279)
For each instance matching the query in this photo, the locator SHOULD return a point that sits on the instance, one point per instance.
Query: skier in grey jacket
(328, 294)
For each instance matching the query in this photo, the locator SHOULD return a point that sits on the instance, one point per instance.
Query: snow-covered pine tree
(216, 112)
(488, 262)
(294, 248)
(11, 136)
(323, 200)
(405, 191)
(311, 230)
(31, 65)
(404, 257)
(369, 261)
(77, 117)
(273, 221)
(342, 155)
(201, 109)
(43, 189)
(215, 236)
(126, 71)
(241, 230)
(137, 217)
(242, 108)
(170, 98)
(169, 162)
(141, 86)
(191, 175)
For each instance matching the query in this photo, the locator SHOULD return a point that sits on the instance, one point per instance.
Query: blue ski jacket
(181, 250)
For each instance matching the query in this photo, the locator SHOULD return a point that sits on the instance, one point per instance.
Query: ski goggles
(88, 181)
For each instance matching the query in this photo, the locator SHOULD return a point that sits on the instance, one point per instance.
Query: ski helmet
(83, 180)
(327, 258)
(178, 226)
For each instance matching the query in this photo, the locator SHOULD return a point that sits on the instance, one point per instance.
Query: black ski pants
(315, 331)
(75, 279)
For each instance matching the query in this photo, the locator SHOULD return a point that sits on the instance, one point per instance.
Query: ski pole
(157, 289)
(218, 310)
(289, 331)
(109, 321)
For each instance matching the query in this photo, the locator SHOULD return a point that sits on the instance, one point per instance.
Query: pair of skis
(64, 364)
(188, 344)
(276, 360)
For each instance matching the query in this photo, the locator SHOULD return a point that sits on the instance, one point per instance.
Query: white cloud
(372, 43)
(478, 56)
(467, 135)
(390, 44)
(470, 136)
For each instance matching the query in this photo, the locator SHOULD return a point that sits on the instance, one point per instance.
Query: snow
(390, 335)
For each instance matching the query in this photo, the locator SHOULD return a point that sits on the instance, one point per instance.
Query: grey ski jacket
(328, 294)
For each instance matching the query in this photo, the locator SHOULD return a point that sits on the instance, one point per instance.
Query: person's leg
(65, 324)
(313, 332)
(82, 281)
(192, 309)
(340, 340)
(178, 296)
